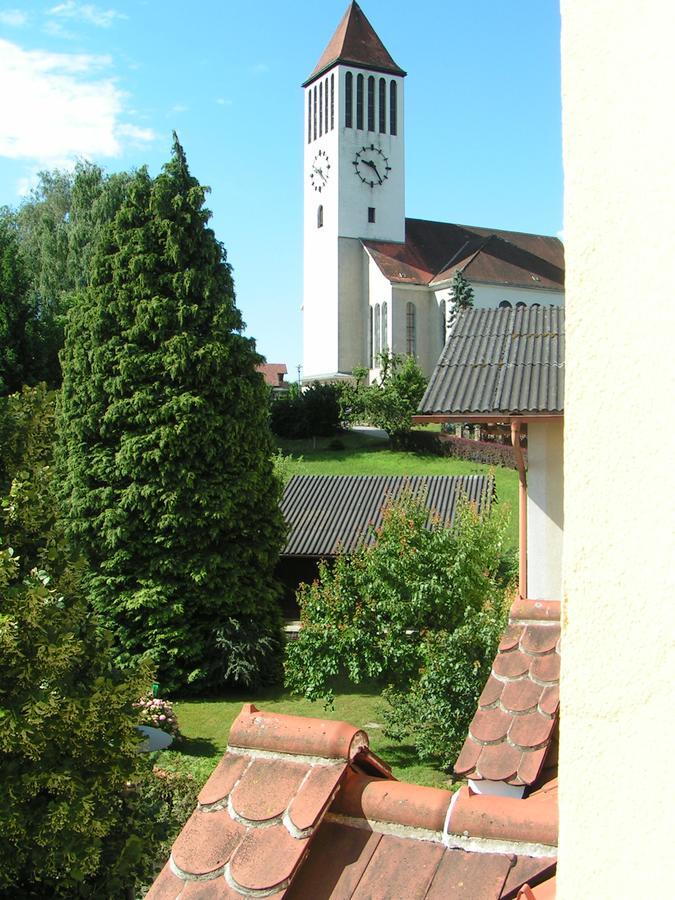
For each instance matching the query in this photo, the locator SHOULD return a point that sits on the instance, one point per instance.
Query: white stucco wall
(544, 510)
(616, 733)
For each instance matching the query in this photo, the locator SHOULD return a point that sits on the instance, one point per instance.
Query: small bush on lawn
(158, 713)
(417, 601)
(314, 412)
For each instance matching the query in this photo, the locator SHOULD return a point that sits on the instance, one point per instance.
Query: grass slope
(206, 725)
(366, 455)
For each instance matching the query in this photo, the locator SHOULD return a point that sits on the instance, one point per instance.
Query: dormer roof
(355, 43)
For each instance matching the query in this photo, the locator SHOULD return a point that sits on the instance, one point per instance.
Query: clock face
(371, 166)
(319, 171)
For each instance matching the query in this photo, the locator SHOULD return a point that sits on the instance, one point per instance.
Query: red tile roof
(434, 251)
(273, 373)
(355, 43)
(517, 713)
(301, 808)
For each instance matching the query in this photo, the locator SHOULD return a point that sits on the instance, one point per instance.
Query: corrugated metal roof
(507, 361)
(326, 514)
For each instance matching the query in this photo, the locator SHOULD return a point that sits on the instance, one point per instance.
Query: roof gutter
(522, 508)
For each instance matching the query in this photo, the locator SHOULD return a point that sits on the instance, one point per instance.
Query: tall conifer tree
(165, 447)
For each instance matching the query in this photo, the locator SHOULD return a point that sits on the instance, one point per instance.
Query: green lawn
(206, 725)
(365, 455)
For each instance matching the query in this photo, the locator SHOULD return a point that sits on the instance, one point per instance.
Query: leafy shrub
(435, 712)
(391, 402)
(401, 610)
(313, 412)
(158, 713)
(284, 466)
(490, 453)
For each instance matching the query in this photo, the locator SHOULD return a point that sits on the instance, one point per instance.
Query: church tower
(353, 188)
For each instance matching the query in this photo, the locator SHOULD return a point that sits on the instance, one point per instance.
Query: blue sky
(109, 81)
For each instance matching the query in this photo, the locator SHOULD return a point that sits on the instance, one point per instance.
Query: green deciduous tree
(16, 313)
(68, 826)
(400, 611)
(391, 402)
(165, 446)
(58, 226)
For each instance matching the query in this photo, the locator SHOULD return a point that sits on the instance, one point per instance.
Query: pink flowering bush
(158, 714)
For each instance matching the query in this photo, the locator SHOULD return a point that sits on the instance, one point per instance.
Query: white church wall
(491, 295)
(425, 309)
(379, 291)
(544, 510)
(352, 320)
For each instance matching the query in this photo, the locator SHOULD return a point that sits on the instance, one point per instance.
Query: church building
(373, 279)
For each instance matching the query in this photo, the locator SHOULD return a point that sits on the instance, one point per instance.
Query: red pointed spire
(355, 43)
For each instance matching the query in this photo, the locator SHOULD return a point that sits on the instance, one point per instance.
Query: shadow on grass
(199, 747)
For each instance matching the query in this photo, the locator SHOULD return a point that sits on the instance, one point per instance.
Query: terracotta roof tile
(538, 639)
(466, 762)
(528, 870)
(339, 857)
(511, 638)
(521, 717)
(460, 876)
(520, 696)
(206, 843)
(375, 799)
(223, 779)
(355, 42)
(499, 762)
(491, 692)
(266, 858)
(550, 700)
(511, 664)
(339, 826)
(504, 818)
(537, 610)
(314, 795)
(302, 735)
(267, 788)
(529, 732)
(409, 865)
(490, 726)
(166, 886)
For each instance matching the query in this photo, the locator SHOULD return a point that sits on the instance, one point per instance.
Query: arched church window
(441, 310)
(314, 131)
(359, 101)
(410, 330)
(533, 305)
(319, 217)
(378, 336)
(309, 117)
(385, 336)
(505, 304)
(349, 98)
(383, 105)
(320, 108)
(392, 107)
(371, 348)
(332, 102)
(325, 104)
(520, 303)
(371, 103)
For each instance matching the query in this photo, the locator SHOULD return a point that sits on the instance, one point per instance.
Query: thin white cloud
(222, 101)
(86, 12)
(57, 29)
(179, 108)
(57, 106)
(13, 18)
(259, 68)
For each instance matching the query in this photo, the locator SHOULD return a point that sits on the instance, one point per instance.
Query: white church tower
(354, 190)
